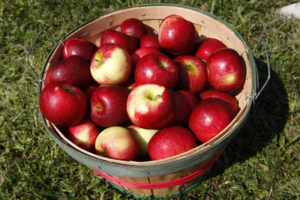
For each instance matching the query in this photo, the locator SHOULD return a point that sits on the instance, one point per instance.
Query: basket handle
(255, 97)
(31, 48)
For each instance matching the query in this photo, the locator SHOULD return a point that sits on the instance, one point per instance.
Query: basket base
(175, 194)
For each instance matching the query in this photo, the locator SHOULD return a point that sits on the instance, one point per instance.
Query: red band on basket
(166, 184)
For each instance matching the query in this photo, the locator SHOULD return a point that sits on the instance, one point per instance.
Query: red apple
(177, 35)
(118, 143)
(108, 105)
(121, 39)
(210, 93)
(150, 40)
(89, 90)
(170, 141)
(133, 27)
(88, 93)
(79, 47)
(156, 68)
(209, 118)
(226, 70)
(74, 70)
(207, 47)
(143, 137)
(130, 82)
(192, 73)
(131, 86)
(84, 134)
(150, 106)
(185, 101)
(63, 104)
(141, 52)
(111, 64)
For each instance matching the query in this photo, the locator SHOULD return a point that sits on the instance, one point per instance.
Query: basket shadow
(266, 120)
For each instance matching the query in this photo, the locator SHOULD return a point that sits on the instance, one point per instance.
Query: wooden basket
(178, 173)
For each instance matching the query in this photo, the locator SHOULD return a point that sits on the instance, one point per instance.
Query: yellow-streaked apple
(111, 64)
(118, 143)
(143, 136)
(84, 134)
(151, 106)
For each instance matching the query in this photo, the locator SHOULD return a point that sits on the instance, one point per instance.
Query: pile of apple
(142, 95)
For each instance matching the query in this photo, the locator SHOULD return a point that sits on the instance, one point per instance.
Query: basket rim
(131, 168)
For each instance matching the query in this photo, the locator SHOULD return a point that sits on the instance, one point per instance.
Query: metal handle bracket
(254, 98)
(31, 48)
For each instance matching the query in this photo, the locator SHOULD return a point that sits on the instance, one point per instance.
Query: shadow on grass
(266, 120)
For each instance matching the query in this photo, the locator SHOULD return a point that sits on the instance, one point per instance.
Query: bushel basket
(176, 174)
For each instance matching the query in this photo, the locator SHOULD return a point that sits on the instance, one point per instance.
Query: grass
(262, 162)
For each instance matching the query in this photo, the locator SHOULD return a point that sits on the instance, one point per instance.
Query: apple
(62, 103)
(131, 86)
(156, 68)
(192, 73)
(133, 27)
(207, 47)
(79, 47)
(111, 64)
(141, 52)
(177, 35)
(226, 70)
(143, 137)
(151, 106)
(89, 90)
(108, 105)
(118, 143)
(209, 118)
(88, 93)
(171, 141)
(118, 38)
(210, 93)
(185, 101)
(84, 134)
(74, 70)
(150, 40)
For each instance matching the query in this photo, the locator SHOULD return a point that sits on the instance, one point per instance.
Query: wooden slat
(176, 175)
(145, 192)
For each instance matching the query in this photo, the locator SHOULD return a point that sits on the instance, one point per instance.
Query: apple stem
(187, 67)
(99, 61)
(99, 107)
(162, 64)
(153, 98)
(68, 89)
(99, 58)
